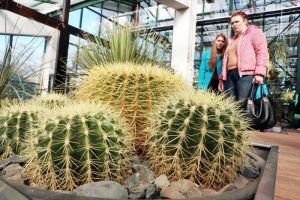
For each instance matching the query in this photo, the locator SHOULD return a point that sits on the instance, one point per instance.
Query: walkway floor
(287, 186)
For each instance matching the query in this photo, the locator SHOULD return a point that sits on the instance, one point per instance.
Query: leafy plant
(278, 52)
(198, 136)
(122, 44)
(288, 96)
(7, 71)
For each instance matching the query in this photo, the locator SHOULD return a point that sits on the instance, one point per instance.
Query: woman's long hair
(214, 51)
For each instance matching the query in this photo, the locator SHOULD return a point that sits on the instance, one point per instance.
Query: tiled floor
(288, 168)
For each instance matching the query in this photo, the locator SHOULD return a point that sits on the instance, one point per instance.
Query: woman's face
(238, 24)
(220, 42)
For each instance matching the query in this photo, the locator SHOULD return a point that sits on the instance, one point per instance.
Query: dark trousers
(213, 85)
(238, 87)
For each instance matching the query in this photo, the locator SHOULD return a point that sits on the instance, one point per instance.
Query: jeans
(238, 87)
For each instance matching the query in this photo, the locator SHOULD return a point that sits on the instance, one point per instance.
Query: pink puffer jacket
(252, 53)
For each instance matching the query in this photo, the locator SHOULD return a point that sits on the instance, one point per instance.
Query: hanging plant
(278, 52)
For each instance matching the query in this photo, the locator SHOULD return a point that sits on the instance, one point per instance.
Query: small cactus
(18, 123)
(201, 137)
(78, 144)
(132, 89)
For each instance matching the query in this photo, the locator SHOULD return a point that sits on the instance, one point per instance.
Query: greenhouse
(149, 99)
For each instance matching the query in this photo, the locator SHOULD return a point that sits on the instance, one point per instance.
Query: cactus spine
(81, 143)
(131, 88)
(51, 100)
(199, 136)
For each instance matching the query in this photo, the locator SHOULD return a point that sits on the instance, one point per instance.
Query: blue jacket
(205, 75)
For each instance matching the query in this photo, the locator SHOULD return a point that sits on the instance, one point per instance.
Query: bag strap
(253, 91)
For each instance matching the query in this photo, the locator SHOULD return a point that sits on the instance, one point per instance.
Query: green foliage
(78, 144)
(17, 124)
(130, 88)
(278, 52)
(7, 72)
(122, 44)
(288, 96)
(201, 137)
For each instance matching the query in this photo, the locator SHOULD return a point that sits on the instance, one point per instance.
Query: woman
(245, 60)
(211, 65)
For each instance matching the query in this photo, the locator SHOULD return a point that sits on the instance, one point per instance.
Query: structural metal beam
(42, 18)
(176, 4)
(220, 20)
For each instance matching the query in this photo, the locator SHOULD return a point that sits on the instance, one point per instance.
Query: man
(245, 60)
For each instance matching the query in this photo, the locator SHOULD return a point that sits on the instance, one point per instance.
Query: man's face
(220, 42)
(238, 24)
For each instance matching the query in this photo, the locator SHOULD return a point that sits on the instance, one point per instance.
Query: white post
(184, 33)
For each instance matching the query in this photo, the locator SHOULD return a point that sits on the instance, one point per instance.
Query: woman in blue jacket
(211, 65)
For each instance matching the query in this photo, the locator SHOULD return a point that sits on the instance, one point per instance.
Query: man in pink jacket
(245, 60)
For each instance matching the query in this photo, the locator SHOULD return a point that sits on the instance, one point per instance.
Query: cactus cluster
(198, 136)
(17, 124)
(77, 144)
(132, 89)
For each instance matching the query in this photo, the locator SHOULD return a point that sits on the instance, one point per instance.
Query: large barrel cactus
(131, 88)
(18, 123)
(198, 136)
(80, 143)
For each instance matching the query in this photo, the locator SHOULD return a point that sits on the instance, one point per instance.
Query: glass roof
(45, 6)
(48, 6)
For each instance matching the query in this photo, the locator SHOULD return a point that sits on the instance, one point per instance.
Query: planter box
(261, 188)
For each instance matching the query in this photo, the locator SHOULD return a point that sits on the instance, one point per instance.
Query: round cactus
(198, 136)
(78, 144)
(17, 124)
(51, 100)
(132, 89)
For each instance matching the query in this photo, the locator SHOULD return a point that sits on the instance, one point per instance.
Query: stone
(42, 187)
(227, 188)
(240, 181)
(13, 172)
(187, 188)
(162, 181)
(102, 189)
(137, 193)
(152, 192)
(12, 160)
(171, 193)
(249, 171)
(143, 178)
(209, 192)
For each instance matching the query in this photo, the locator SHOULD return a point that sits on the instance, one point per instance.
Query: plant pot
(262, 188)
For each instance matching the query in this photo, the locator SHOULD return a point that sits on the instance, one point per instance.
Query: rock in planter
(141, 179)
(240, 181)
(152, 192)
(12, 160)
(162, 181)
(103, 189)
(13, 172)
(187, 188)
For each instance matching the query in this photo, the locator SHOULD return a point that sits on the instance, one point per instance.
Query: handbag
(260, 110)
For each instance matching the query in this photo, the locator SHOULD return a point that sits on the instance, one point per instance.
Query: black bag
(260, 110)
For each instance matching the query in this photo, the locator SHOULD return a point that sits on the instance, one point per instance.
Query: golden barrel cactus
(132, 89)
